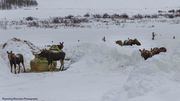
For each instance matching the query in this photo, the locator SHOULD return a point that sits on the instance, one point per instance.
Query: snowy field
(98, 71)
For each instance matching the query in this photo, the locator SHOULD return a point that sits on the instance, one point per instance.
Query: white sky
(111, 3)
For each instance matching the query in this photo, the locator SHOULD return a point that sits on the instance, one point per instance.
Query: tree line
(10, 4)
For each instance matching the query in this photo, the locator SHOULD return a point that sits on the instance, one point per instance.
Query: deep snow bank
(100, 57)
(141, 79)
(23, 47)
(156, 79)
(85, 57)
(4, 70)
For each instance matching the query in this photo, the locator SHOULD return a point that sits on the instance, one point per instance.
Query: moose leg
(49, 64)
(19, 68)
(15, 68)
(62, 65)
(23, 66)
(11, 67)
(49, 67)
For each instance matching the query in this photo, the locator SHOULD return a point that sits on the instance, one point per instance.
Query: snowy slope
(17, 46)
(102, 72)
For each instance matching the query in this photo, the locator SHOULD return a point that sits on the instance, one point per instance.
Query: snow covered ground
(99, 71)
(48, 8)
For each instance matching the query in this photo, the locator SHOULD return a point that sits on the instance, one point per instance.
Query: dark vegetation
(11, 4)
(82, 21)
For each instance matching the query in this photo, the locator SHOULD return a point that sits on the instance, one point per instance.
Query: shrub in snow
(33, 24)
(171, 11)
(177, 15)
(55, 20)
(97, 16)
(170, 16)
(106, 15)
(115, 16)
(124, 16)
(29, 18)
(69, 17)
(178, 11)
(154, 16)
(138, 16)
(87, 15)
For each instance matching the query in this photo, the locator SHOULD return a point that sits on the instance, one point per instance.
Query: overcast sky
(112, 3)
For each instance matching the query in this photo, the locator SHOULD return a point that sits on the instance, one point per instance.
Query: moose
(128, 42)
(146, 54)
(54, 56)
(61, 45)
(15, 59)
(154, 51)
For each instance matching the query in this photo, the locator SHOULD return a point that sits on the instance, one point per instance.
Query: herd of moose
(144, 53)
(17, 59)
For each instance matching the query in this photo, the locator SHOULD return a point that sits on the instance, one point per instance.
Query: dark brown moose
(154, 51)
(15, 59)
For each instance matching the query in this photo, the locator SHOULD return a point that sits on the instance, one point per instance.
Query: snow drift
(26, 48)
(134, 78)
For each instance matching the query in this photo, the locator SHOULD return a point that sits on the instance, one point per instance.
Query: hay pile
(54, 48)
(41, 65)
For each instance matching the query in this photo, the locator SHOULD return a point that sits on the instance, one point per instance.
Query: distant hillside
(11, 4)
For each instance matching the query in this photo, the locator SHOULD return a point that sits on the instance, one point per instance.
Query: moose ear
(11, 52)
(61, 43)
(140, 50)
(7, 52)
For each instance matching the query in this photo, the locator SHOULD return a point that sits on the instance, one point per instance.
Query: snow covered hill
(26, 48)
(101, 72)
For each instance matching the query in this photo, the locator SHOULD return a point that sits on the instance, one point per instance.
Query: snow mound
(153, 75)
(102, 57)
(26, 48)
(4, 70)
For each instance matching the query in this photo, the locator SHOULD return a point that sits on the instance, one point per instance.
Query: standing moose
(54, 56)
(15, 59)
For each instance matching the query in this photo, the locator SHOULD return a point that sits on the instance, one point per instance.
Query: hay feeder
(41, 65)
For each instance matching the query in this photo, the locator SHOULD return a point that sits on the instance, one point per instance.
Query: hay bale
(54, 48)
(41, 65)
